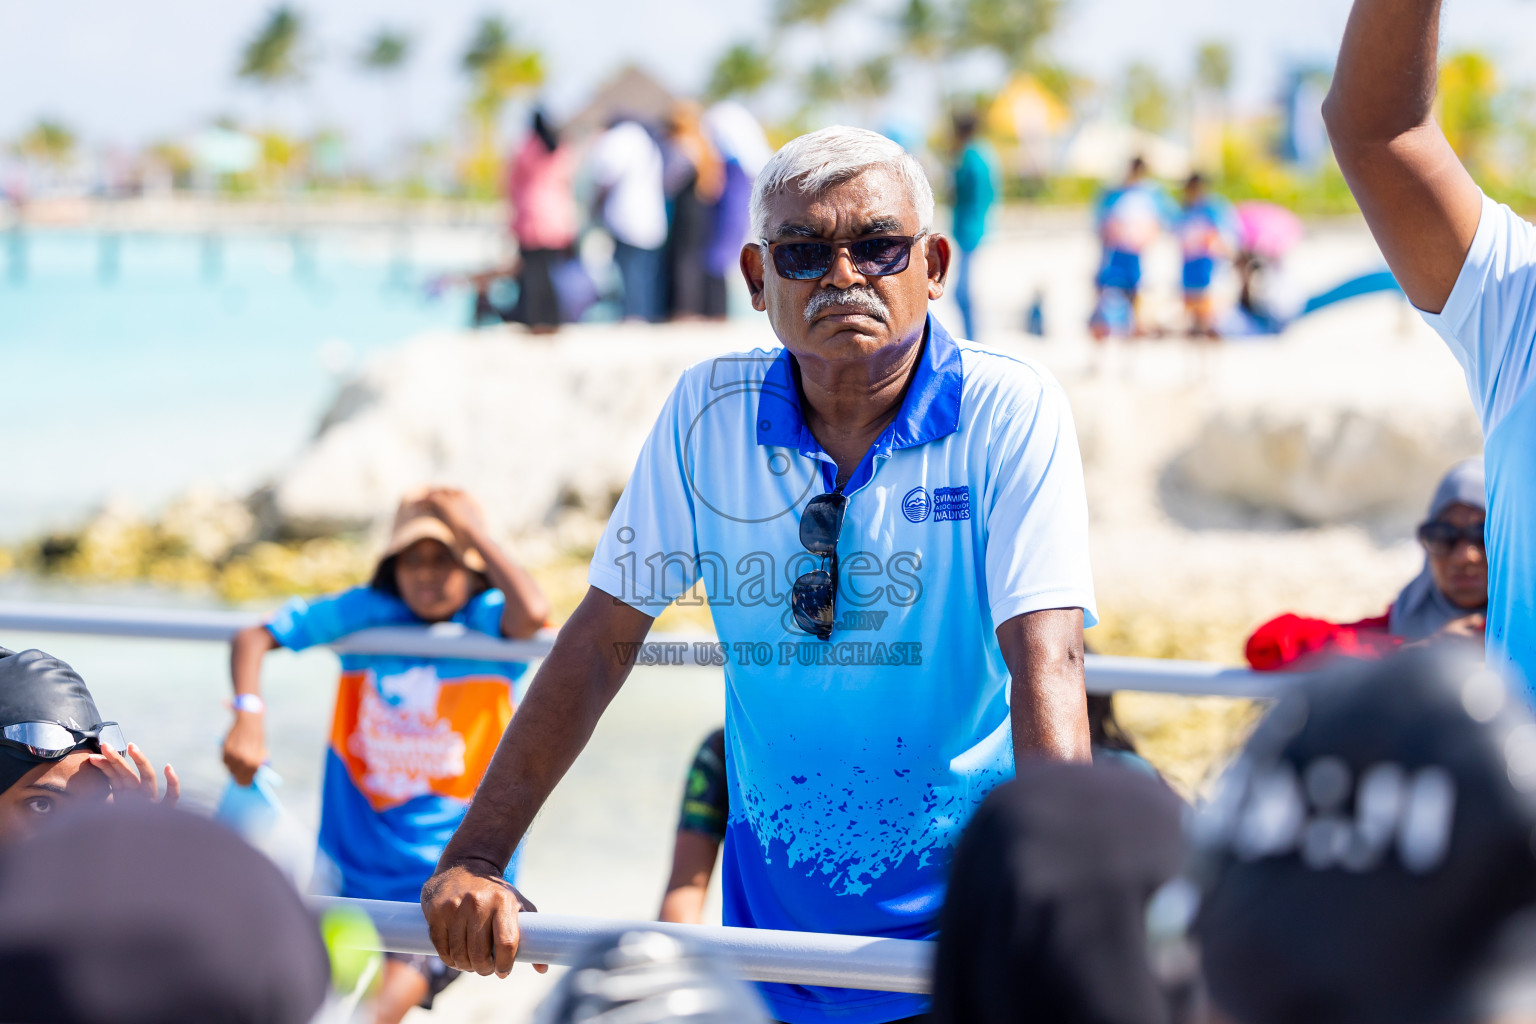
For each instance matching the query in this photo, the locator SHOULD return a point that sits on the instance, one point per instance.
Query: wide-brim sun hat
(415, 520)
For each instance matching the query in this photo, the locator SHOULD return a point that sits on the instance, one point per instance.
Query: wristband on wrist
(248, 702)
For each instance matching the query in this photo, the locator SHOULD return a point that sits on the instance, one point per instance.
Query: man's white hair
(832, 156)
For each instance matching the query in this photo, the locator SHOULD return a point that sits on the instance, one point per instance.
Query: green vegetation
(498, 68)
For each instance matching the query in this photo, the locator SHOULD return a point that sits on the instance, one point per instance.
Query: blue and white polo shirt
(854, 763)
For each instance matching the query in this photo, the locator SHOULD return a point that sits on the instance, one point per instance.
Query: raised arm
(245, 746)
(1419, 201)
(526, 608)
(471, 911)
(1044, 653)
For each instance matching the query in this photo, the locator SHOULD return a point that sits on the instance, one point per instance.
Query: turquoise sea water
(136, 364)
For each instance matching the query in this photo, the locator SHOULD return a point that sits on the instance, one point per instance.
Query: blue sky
(127, 71)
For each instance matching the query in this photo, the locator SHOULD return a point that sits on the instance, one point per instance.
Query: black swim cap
(37, 687)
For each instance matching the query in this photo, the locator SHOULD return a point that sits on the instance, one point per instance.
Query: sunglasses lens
(812, 601)
(877, 257)
(111, 735)
(822, 522)
(1441, 537)
(802, 261)
(41, 739)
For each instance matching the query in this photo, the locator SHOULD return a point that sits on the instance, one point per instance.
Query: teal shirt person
(975, 191)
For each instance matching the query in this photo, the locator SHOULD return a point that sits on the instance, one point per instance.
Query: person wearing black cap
(1369, 858)
(55, 750)
(135, 914)
(1044, 916)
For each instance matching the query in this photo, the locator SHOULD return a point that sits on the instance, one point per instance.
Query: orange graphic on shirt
(438, 739)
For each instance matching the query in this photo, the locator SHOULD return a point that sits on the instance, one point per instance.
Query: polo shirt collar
(929, 410)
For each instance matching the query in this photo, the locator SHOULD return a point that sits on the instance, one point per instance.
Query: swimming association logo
(916, 505)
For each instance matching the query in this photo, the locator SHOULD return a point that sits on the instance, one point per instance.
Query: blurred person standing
(1205, 231)
(744, 151)
(1127, 219)
(1447, 600)
(974, 189)
(695, 179)
(411, 736)
(540, 190)
(1468, 264)
(706, 807)
(631, 205)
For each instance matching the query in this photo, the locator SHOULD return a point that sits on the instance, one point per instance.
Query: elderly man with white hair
(892, 531)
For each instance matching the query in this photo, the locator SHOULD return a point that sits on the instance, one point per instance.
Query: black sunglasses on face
(814, 596)
(1441, 538)
(879, 256)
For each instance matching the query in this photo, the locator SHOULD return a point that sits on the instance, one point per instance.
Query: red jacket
(1292, 642)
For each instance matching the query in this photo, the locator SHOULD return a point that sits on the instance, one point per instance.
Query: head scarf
(37, 687)
(1421, 610)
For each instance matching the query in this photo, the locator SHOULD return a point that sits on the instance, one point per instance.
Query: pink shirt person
(539, 186)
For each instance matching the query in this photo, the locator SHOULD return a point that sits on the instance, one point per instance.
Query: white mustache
(860, 297)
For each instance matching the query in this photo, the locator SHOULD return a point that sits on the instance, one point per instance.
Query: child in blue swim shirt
(411, 737)
(1205, 228)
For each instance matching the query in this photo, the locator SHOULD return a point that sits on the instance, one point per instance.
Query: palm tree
(1014, 29)
(742, 70)
(925, 37)
(48, 142)
(1147, 100)
(817, 14)
(498, 69)
(871, 82)
(1213, 83)
(385, 56)
(274, 57)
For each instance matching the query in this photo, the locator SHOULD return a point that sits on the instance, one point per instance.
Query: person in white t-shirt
(1467, 263)
(631, 204)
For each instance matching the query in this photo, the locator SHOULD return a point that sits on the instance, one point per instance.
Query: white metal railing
(758, 954)
(1106, 673)
(804, 958)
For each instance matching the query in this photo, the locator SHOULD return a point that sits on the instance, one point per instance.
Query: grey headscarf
(1421, 610)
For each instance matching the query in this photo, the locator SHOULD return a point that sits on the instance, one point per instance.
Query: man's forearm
(1049, 709)
(1384, 85)
(567, 697)
(549, 730)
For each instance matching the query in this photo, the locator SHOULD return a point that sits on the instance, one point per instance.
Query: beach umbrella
(1267, 230)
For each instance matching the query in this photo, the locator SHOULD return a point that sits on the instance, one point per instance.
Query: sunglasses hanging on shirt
(814, 596)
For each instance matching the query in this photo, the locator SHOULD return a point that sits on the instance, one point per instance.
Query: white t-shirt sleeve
(1037, 514)
(648, 556)
(1489, 321)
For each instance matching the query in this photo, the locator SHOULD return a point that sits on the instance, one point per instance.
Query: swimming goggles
(814, 597)
(879, 256)
(51, 741)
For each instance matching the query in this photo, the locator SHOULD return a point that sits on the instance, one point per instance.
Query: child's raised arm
(527, 609)
(245, 747)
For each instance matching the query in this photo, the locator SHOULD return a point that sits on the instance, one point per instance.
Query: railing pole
(798, 958)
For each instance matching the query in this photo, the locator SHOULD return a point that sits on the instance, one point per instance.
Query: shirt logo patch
(915, 506)
(951, 504)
